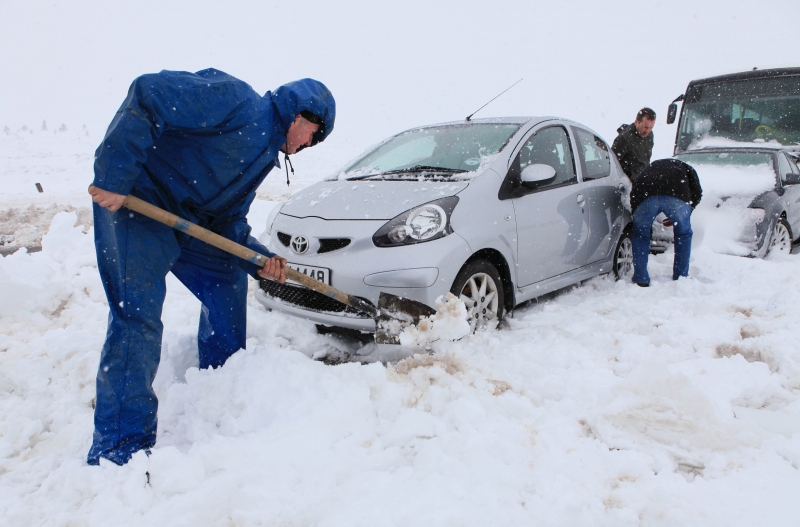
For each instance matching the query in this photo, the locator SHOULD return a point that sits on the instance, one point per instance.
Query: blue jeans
(679, 212)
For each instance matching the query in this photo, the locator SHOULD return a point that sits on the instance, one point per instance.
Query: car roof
(486, 120)
(503, 120)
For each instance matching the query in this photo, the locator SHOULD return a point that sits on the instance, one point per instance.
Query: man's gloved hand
(274, 269)
(106, 199)
(667, 222)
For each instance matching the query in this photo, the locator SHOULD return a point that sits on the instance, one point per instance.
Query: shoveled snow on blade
(449, 323)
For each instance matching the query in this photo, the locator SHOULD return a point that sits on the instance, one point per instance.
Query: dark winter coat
(632, 150)
(667, 177)
(200, 144)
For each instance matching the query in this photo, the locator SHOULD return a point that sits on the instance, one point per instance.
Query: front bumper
(421, 272)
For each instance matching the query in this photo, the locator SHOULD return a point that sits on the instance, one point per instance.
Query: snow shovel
(392, 315)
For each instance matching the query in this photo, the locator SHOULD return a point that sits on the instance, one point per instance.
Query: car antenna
(469, 117)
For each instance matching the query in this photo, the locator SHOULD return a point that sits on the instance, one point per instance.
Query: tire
(480, 287)
(623, 257)
(781, 239)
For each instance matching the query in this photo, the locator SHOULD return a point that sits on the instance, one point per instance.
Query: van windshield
(759, 112)
(440, 151)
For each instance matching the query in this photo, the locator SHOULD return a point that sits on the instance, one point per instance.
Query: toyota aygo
(497, 211)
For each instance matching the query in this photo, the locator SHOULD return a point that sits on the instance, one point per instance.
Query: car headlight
(425, 223)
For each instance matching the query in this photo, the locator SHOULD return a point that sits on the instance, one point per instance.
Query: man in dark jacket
(672, 187)
(634, 144)
(198, 145)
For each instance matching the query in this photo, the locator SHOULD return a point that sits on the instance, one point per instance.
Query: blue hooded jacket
(200, 144)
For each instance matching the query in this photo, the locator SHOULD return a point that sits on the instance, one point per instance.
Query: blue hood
(305, 95)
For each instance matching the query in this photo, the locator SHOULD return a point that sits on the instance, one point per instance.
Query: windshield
(732, 113)
(732, 174)
(728, 158)
(441, 151)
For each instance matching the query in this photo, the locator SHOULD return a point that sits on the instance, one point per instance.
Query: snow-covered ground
(606, 404)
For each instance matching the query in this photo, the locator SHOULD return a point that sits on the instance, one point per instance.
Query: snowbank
(606, 405)
(448, 323)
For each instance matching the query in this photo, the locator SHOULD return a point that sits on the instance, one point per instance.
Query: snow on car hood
(723, 221)
(735, 180)
(372, 200)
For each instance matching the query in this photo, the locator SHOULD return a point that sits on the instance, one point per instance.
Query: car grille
(327, 245)
(307, 299)
(284, 238)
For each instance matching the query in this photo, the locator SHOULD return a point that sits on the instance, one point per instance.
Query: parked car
(740, 132)
(751, 201)
(497, 211)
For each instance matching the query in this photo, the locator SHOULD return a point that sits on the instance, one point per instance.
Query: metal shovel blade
(396, 313)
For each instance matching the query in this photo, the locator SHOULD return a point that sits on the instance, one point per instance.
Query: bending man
(198, 145)
(672, 187)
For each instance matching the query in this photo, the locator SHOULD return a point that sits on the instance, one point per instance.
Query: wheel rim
(479, 295)
(780, 239)
(624, 261)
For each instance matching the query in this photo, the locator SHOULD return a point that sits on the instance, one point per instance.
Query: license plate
(319, 273)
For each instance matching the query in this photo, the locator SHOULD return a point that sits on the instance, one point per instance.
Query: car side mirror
(537, 173)
(672, 111)
(790, 179)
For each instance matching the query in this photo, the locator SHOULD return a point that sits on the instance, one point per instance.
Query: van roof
(748, 75)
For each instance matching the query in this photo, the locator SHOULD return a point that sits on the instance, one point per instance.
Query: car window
(594, 154)
(548, 146)
(783, 167)
(794, 163)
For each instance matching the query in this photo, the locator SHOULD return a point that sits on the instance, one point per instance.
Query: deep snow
(606, 404)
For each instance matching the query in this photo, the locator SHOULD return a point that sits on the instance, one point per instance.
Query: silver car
(497, 211)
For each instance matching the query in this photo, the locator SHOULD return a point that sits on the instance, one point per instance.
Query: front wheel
(781, 242)
(480, 287)
(623, 257)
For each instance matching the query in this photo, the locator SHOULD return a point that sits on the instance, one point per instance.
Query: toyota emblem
(300, 244)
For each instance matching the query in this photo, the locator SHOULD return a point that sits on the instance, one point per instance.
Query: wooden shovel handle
(220, 242)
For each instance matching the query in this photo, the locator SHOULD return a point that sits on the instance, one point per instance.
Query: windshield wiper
(415, 168)
(428, 168)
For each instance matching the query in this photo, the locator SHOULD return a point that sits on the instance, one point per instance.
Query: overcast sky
(390, 65)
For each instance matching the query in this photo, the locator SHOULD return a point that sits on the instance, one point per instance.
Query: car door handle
(580, 199)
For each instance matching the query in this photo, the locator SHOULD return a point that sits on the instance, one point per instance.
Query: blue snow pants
(134, 255)
(680, 213)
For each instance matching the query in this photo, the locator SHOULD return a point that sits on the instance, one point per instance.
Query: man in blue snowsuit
(198, 145)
